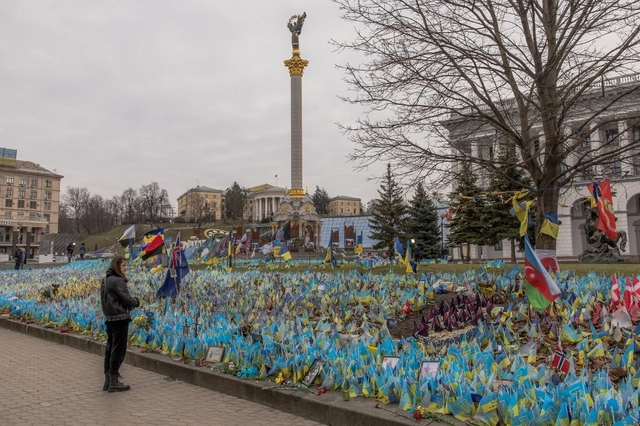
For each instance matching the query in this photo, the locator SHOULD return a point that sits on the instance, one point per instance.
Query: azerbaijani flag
(541, 289)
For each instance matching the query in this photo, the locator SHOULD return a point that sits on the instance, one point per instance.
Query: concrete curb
(327, 408)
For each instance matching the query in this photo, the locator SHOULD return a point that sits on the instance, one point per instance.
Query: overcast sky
(117, 94)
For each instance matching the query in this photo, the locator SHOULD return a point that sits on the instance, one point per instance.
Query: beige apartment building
(199, 200)
(343, 205)
(31, 205)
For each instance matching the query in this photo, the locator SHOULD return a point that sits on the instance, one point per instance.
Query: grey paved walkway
(44, 383)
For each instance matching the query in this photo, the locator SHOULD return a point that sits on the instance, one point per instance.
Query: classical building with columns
(618, 127)
(263, 202)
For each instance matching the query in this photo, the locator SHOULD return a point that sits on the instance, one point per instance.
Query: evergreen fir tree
(388, 219)
(502, 224)
(422, 224)
(321, 200)
(469, 223)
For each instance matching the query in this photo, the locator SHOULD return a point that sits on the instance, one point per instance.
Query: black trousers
(117, 335)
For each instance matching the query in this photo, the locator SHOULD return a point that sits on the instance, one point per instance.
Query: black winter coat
(115, 298)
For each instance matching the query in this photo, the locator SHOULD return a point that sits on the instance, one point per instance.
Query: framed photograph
(390, 361)
(313, 372)
(215, 354)
(392, 323)
(429, 367)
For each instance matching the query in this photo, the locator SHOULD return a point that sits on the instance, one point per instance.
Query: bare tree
(201, 210)
(154, 199)
(128, 202)
(76, 201)
(439, 72)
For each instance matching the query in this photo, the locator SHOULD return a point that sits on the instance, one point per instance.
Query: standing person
(70, 251)
(82, 250)
(116, 303)
(23, 258)
(17, 257)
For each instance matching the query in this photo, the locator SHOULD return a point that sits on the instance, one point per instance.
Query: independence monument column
(296, 67)
(296, 217)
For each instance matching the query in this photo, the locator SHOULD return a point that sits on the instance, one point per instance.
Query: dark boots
(105, 387)
(116, 385)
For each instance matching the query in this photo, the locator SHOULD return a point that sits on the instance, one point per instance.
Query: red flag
(406, 308)
(560, 360)
(606, 219)
(449, 214)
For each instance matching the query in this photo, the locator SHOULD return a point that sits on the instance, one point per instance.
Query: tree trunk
(513, 250)
(547, 203)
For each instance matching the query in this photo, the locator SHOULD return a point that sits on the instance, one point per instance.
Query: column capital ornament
(296, 64)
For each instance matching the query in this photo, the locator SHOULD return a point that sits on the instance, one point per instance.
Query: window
(8, 203)
(34, 182)
(48, 183)
(32, 215)
(9, 180)
(20, 215)
(47, 195)
(636, 133)
(536, 145)
(32, 204)
(586, 143)
(638, 165)
(47, 206)
(611, 136)
(34, 193)
(587, 174)
(21, 204)
(9, 192)
(498, 246)
(613, 169)
(21, 193)
(7, 215)
(47, 217)
(23, 181)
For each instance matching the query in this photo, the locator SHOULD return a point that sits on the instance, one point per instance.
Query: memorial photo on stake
(215, 354)
(391, 361)
(313, 372)
(429, 367)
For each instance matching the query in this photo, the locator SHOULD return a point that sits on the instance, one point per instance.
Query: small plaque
(313, 372)
(215, 354)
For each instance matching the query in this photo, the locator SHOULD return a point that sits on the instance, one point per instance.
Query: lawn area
(108, 240)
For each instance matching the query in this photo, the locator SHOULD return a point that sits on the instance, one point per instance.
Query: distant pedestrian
(23, 258)
(17, 257)
(82, 250)
(116, 303)
(70, 251)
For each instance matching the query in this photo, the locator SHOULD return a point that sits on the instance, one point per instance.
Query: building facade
(201, 201)
(618, 127)
(343, 205)
(31, 205)
(263, 202)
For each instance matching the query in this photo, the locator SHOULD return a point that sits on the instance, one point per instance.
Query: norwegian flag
(560, 360)
(615, 293)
